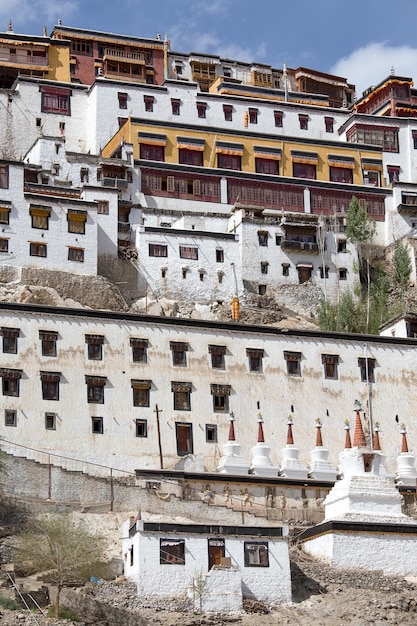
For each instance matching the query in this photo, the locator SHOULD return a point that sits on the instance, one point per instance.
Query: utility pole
(161, 458)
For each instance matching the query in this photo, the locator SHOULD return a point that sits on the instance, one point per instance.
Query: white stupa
(406, 473)
(232, 462)
(291, 466)
(261, 463)
(320, 466)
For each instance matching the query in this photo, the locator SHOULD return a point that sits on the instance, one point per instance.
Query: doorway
(215, 551)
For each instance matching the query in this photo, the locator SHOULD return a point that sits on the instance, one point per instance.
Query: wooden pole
(158, 425)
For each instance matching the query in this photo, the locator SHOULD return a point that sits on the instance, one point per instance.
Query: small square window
(10, 417)
(172, 552)
(141, 392)
(255, 360)
(220, 395)
(278, 115)
(293, 360)
(253, 116)
(97, 425)
(102, 207)
(175, 106)
(40, 221)
(182, 396)
(217, 354)
(149, 102)
(76, 254)
(263, 238)
(76, 223)
(228, 112)
(211, 433)
(141, 428)
(201, 109)
(303, 119)
(256, 554)
(367, 369)
(4, 245)
(329, 124)
(342, 273)
(219, 255)
(122, 100)
(10, 382)
(94, 347)
(10, 344)
(285, 269)
(342, 245)
(4, 176)
(50, 421)
(264, 267)
(278, 240)
(414, 136)
(261, 290)
(38, 249)
(158, 249)
(95, 389)
(179, 353)
(330, 363)
(139, 350)
(50, 388)
(48, 342)
(4, 215)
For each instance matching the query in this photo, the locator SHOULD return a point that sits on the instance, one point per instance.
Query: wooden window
(141, 428)
(139, 350)
(10, 381)
(414, 138)
(253, 116)
(304, 170)
(255, 359)
(10, 417)
(175, 106)
(50, 421)
(393, 173)
(189, 252)
(179, 353)
(76, 222)
(141, 392)
(211, 433)
(285, 269)
(228, 112)
(48, 342)
(303, 120)
(220, 394)
(38, 249)
(50, 385)
(262, 290)
(56, 100)
(122, 97)
(229, 162)
(76, 254)
(341, 175)
(341, 245)
(329, 124)
(97, 426)
(184, 437)
(158, 249)
(102, 207)
(152, 153)
(201, 109)
(191, 157)
(95, 389)
(342, 273)
(330, 363)
(263, 238)
(94, 347)
(40, 217)
(256, 554)
(278, 116)
(219, 255)
(264, 267)
(81, 46)
(4, 177)
(10, 337)
(4, 245)
(371, 178)
(149, 102)
(383, 136)
(367, 369)
(266, 166)
(4, 211)
(217, 357)
(182, 396)
(293, 360)
(172, 552)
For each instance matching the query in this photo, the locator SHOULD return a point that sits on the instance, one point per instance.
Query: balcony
(133, 57)
(23, 57)
(123, 227)
(301, 246)
(116, 183)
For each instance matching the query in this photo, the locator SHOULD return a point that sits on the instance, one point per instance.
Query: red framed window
(303, 119)
(266, 166)
(149, 102)
(4, 184)
(191, 157)
(230, 162)
(253, 116)
(341, 175)
(393, 173)
(152, 153)
(304, 170)
(278, 116)
(201, 109)
(175, 106)
(414, 136)
(122, 100)
(228, 112)
(329, 124)
(56, 100)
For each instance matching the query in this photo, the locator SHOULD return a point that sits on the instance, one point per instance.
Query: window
(383, 136)
(38, 249)
(278, 116)
(304, 170)
(266, 166)
(227, 72)
(229, 162)
(56, 100)
(393, 173)
(81, 46)
(50, 421)
(84, 175)
(182, 396)
(10, 336)
(139, 350)
(141, 428)
(95, 389)
(228, 112)
(342, 273)
(329, 124)
(184, 436)
(122, 97)
(414, 137)
(324, 272)
(256, 554)
(264, 267)
(4, 177)
(341, 175)
(367, 367)
(293, 363)
(149, 102)
(4, 245)
(303, 119)
(217, 354)
(263, 238)
(175, 106)
(189, 252)
(172, 552)
(371, 177)
(285, 269)
(152, 153)
(201, 109)
(220, 395)
(261, 290)
(10, 381)
(4, 213)
(76, 222)
(179, 353)
(40, 217)
(330, 363)
(94, 347)
(50, 385)
(141, 392)
(158, 249)
(10, 417)
(253, 116)
(219, 255)
(178, 68)
(191, 157)
(255, 359)
(97, 425)
(76, 254)
(211, 433)
(102, 207)
(342, 245)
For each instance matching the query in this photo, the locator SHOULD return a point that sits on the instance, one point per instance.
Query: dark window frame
(261, 549)
(171, 551)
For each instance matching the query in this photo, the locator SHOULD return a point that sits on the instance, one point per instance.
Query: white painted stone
(291, 467)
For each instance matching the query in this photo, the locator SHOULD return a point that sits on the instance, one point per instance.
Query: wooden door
(215, 551)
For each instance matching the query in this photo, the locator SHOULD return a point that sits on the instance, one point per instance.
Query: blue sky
(359, 39)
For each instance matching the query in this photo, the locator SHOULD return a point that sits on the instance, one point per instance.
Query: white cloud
(370, 64)
(211, 7)
(25, 12)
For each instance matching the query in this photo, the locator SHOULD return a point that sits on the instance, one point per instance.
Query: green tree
(360, 228)
(401, 264)
(67, 551)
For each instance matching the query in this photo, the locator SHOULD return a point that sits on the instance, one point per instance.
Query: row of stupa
(319, 468)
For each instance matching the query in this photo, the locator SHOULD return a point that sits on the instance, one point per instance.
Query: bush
(8, 603)
(64, 614)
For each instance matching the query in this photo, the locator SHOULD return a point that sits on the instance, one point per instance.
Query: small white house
(217, 564)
